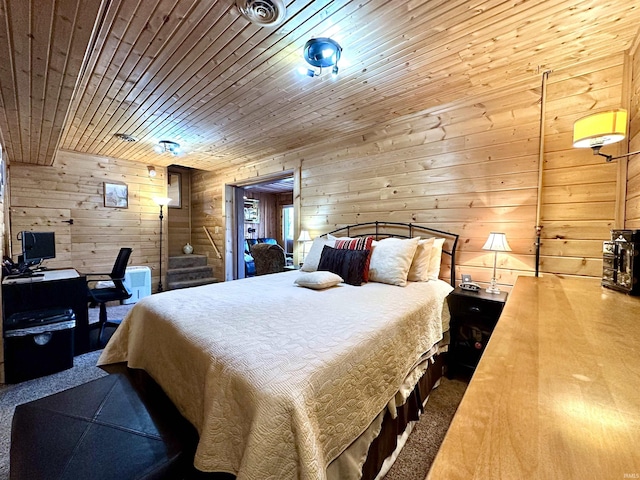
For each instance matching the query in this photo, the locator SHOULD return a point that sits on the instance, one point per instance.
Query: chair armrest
(97, 274)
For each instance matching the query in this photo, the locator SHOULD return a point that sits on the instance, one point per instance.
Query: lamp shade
(600, 129)
(161, 200)
(497, 242)
(304, 236)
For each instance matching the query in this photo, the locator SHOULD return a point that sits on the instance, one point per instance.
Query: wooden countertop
(556, 394)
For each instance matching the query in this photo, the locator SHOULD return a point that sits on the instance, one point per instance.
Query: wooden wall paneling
(5, 232)
(594, 192)
(579, 191)
(580, 229)
(211, 80)
(42, 219)
(200, 71)
(75, 185)
(179, 219)
(632, 203)
(442, 171)
(43, 45)
(157, 80)
(207, 197)
(450, 73)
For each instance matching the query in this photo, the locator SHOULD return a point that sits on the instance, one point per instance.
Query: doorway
(263, 210)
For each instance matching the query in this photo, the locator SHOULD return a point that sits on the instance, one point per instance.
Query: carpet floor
(412, 464)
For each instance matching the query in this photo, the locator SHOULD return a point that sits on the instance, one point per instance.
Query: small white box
(138, 281)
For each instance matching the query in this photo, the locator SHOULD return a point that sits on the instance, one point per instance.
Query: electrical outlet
(216, 229)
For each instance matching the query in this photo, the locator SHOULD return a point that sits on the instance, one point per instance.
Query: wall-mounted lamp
(321, 53)
(599, 129)
(167, 146)
(152, 171)
(497, 242)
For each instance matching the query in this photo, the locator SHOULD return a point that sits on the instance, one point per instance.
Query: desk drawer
(474, 308)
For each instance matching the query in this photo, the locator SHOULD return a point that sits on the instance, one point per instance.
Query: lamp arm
(596, 151)
(622, 156)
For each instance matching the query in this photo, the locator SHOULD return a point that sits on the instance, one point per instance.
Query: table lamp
(497, 242)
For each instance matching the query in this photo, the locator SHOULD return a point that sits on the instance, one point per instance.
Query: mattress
(278, 379)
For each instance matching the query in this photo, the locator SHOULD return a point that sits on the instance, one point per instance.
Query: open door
(261, 209)
(234, 233)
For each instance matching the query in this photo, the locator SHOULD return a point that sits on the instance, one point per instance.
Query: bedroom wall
(3, 237)
(633, 181)
(268, 211)
(45, 198)
(471, 168)
(179, 219)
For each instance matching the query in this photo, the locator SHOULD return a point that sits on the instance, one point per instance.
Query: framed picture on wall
(116, 195)
(174, 190)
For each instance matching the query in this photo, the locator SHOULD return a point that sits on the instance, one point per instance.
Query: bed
(285, 381)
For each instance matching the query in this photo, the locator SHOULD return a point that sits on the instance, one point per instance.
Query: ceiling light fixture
(321, 53)
(599, 129)
(125, 137)
(167, 146)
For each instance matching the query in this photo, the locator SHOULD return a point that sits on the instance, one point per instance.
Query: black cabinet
(473, 317)
(57, 289)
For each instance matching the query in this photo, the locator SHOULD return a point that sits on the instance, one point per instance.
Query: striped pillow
(360, 243)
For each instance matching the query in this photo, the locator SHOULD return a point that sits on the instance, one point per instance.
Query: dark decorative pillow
(349, 264)
(359, 243)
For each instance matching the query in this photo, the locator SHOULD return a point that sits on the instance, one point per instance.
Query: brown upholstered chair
(268, 258)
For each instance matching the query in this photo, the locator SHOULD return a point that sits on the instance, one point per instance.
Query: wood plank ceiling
(198, 73)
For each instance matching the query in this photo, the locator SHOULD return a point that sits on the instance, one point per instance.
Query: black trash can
(38, 343)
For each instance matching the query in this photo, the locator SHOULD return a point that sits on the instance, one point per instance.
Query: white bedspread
(279, 379)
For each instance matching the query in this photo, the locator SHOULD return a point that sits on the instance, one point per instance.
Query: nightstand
(473, 317)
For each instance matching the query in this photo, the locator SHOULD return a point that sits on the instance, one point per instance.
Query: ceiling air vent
(266, 13)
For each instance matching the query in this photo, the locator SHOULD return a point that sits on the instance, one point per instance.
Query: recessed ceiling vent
(265, 13)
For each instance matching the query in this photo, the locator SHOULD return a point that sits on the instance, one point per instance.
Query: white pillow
(318, 280)
(391, 260)
(436, 256)
(419, 271)
(313, 257)
(334, 238)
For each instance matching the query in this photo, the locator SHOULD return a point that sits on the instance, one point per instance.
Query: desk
(64, 288)
(555, 395)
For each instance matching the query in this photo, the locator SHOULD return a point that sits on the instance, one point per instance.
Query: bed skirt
(386, 442)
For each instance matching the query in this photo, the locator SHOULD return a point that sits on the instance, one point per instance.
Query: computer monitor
(37, 246)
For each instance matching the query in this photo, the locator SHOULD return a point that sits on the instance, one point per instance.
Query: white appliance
(138, 281)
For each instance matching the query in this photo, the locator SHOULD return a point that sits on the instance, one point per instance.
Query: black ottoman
(121, 426)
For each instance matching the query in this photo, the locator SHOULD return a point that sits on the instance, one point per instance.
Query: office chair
(118, 291)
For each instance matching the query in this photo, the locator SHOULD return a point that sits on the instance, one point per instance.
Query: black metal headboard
(379, 230)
